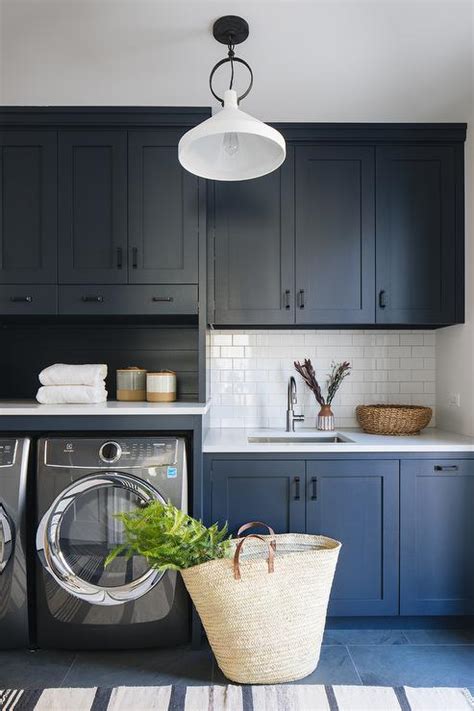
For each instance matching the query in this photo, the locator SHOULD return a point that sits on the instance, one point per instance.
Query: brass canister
(131, 384)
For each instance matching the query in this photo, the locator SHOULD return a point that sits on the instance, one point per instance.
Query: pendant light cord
(231, 55)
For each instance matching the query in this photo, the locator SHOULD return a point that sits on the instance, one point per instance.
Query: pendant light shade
(231, 145)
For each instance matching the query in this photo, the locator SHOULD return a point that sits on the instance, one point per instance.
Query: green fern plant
(169, 539)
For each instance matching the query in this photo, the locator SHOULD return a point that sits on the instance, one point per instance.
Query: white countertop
(430, 440)
(10, 408)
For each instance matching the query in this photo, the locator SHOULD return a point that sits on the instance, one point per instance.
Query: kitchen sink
(299, 439)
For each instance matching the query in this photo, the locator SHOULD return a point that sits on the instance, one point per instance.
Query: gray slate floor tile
(351, 637)
(32, 670)
(452, 636)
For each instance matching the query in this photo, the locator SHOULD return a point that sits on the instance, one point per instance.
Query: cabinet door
(268, 491)
(254, 246)
(437, 538)
(357, 502)
(93, 207)
(415, 235)
(163, 211)
(28, 207)
(335, 242)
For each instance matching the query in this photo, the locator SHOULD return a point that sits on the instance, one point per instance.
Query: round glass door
(6, 539)
(81, 528)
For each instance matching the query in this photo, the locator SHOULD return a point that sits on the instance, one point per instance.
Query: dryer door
(6, 539)
(80, 529)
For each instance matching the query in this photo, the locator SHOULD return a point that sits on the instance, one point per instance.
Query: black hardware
(382, 300)
(314, 488)
(287, 299)
(93, 299)
(134, 258)
(119, 258)
(230, 30)
(163, 298)
(297, 488)
(301, 298)
(446, 468)
(21, 299)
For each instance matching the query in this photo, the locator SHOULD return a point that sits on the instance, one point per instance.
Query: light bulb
(231, 143)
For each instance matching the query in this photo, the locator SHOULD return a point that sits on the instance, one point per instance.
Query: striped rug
(238, 698)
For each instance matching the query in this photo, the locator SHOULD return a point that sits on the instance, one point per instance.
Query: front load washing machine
(82, 483)
(13, 580)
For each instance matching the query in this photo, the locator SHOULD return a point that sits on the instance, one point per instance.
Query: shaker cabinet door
(334, 231)
(254, 249)
(416, 235)
(164, 211)
(93, 207)
(28, 207)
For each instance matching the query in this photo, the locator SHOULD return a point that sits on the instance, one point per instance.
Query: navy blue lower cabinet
(437, 537)
(357, 502)
(268, 491)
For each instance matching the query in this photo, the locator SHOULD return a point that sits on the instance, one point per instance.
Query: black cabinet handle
(314, 488)
(287, 299)
(119, 257)
(382, 300)
(297, 488)
(446, 468)
(93, 299)
(21, 299)
(301, 298)
(134, 258)
(163, 298)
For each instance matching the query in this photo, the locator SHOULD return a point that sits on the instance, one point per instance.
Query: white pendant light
(231, 145)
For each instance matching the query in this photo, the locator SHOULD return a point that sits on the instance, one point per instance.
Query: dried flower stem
(335, 378)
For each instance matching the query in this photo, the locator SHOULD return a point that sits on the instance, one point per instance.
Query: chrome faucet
(291, 418)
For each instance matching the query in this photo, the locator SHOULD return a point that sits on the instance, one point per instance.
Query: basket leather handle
(252, 524)
(271, 554)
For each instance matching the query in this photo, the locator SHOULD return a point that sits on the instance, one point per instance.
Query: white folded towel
(64, 374)
(62, 394)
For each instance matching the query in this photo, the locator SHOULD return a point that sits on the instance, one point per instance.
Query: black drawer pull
(21, 299)
(301, 298)
(446, 468)
(119, 257)
(134, 258)
(382, 300)
(314, 488)
(287, 299)
(163, 298)
(92, 299)
(297, 488)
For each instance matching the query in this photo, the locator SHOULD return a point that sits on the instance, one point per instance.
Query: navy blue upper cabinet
(248, 490)
(417, 261)
(357, 502)
(254, 249)
(437, 537)
(163, 211)
(28, 207)
(334, 229)
(93, 207)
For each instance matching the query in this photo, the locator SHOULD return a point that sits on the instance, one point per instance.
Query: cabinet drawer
(111, 300)
(28, 299)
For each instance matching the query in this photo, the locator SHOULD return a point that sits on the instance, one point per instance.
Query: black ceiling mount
(230, 30)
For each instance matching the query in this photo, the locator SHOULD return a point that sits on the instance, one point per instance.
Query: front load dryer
(13, 578)
(82, 484)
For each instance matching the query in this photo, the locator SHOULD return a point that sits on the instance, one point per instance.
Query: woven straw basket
(264, 611)
(393, 419)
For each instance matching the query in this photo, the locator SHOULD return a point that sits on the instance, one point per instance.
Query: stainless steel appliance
(82, 484)
(13, 581)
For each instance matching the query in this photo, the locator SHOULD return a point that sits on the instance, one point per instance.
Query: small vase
(325, 419)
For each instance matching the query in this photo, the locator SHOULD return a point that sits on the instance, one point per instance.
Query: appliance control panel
(130, 453)
(7, 452)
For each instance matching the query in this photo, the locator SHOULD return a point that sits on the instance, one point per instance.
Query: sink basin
(299, 439)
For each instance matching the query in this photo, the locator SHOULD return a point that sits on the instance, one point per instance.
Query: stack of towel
(63, 383)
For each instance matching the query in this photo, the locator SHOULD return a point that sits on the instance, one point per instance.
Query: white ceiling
(332, 60)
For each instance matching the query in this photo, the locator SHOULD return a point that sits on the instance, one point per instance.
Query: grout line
(69, 669)
(354, 664)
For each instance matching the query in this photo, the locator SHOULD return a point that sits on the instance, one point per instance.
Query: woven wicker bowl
(393, 419)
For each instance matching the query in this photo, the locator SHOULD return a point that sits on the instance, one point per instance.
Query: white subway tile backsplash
(250, 371)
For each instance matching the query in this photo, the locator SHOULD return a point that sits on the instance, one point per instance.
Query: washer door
(80, 529)
(6, 539)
